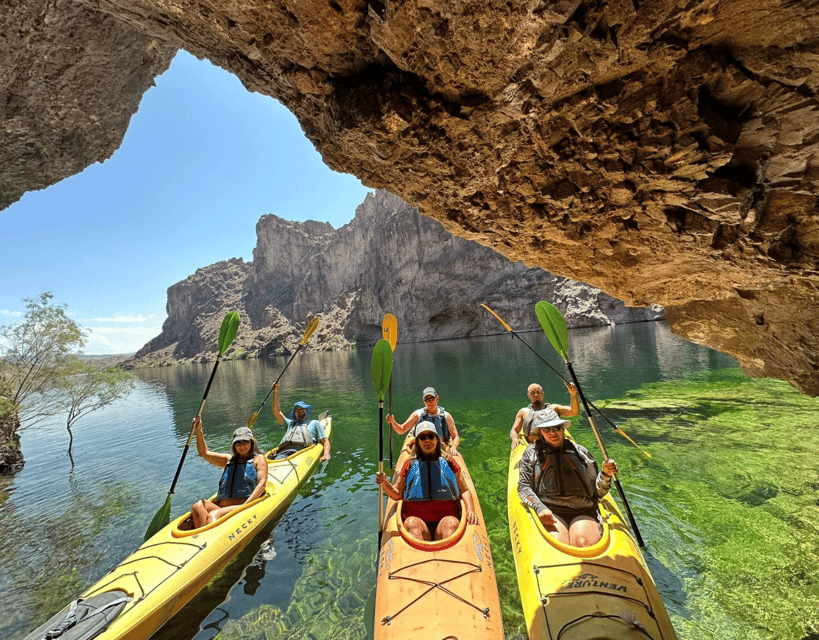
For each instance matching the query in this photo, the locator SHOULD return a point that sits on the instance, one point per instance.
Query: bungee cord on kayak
(435, 585)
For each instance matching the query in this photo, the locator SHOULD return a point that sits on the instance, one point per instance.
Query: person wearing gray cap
(560, 482)
(444, 424)
(243, 479)
(523, 419)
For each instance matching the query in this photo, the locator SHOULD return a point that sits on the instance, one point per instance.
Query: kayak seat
(183, 526)
(433, 545)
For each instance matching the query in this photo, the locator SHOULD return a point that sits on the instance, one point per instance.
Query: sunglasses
(429, 398)
(548, 429)
(240, 443)
(427, 436)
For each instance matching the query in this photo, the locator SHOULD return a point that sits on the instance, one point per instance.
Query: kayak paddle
(308, 331)
(381, 371)
(389, 331)
(554, 326)
(230, 325)
(543, 360)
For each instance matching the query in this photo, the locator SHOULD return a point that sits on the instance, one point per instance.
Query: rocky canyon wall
(666, 152)
(388, 259)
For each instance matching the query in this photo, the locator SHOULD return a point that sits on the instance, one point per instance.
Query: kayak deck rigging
(393, 575)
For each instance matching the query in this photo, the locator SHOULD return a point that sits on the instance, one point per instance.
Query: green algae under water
(727, 504)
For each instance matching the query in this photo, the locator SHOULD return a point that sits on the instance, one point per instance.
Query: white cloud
(118, 318)
(13, 314)
(116, 340)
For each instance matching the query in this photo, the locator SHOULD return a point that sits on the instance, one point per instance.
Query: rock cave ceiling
(664, 151)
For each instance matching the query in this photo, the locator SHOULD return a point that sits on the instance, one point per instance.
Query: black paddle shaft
(606, 455)
(190, 436)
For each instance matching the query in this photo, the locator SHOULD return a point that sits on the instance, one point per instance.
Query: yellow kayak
(602, 592)
(439, 589)
(141, 594)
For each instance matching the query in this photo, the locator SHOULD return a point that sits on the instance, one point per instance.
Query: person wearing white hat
(560, 482)
(431, 487)
(437, 415)
(523, 419)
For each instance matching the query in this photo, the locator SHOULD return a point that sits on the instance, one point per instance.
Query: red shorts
(429, 510)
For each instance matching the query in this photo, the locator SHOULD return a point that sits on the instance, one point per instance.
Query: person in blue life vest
(560, 482)
(431, 487)
(301, 431)
(524, 417)
(243, 479)
(438, 416)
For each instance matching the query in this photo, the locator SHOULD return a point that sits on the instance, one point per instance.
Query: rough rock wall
(70, 80)
(387, 259)
(666, 151)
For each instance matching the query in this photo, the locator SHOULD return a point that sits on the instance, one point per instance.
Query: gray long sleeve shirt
(568, 479)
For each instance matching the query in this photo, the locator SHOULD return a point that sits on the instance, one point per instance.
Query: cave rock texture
(663, 151)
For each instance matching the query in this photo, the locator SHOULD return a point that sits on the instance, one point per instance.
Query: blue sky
(202, 161)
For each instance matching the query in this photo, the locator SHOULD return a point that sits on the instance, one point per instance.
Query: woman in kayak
(559, 480)
(243, 479)
(430, 486)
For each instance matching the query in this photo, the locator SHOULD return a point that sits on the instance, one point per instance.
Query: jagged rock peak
(387, 259)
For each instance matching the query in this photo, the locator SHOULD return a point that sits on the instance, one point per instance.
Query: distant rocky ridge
(387, 259)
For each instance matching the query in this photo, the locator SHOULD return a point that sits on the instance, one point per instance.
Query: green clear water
(727, 503)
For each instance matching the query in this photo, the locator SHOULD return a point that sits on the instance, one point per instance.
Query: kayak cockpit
(433, 545)
(578, 552)
(183, 526)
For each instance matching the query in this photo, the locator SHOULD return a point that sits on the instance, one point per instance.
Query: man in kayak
(243, 479)
(559, 480)
(523, 419)
(441, 420)
(301, 431)
(431, 487)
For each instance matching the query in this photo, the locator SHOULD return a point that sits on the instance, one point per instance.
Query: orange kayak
(439, 589)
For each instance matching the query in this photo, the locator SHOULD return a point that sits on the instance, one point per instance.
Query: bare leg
(200, 511)
(584, 531)
(217, 513)
(446, 527)
(417, 528)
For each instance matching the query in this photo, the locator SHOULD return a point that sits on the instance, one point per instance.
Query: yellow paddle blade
(389, 330)
(252, 419)
(311, 327)
(508, 328)
(625, 435)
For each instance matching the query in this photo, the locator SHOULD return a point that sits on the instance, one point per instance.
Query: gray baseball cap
(429, 391)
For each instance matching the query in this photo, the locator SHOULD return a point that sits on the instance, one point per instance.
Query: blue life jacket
(431, 481)
(237, 481)
(439, 421)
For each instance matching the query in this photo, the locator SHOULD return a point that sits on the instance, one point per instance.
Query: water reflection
(709, 508)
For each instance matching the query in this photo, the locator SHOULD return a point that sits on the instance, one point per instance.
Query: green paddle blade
(230, 325)
(161, 519)
(554, 326)
(381, 367)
